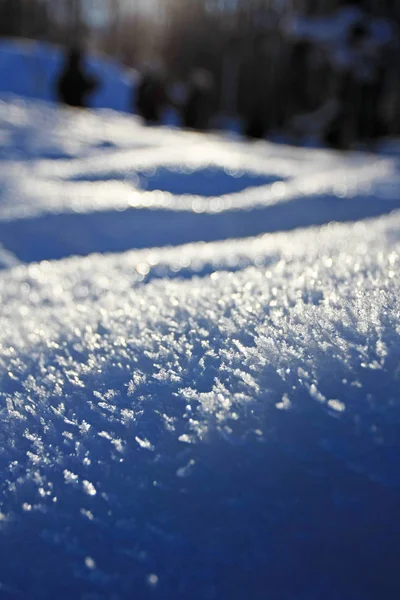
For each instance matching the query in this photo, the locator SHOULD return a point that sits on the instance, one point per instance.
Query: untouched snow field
(199, 364)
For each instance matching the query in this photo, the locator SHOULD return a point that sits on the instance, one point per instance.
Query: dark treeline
(268, 62)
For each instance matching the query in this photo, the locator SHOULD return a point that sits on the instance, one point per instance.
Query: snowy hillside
(29, 69)
(199, 364)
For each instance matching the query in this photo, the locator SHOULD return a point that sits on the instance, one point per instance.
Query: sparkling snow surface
(218, 419)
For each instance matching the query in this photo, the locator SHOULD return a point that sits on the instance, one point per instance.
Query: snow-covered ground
(199, 364)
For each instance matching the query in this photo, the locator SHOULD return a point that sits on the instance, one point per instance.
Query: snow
(199, 350)
(187, 424)
(30, 68)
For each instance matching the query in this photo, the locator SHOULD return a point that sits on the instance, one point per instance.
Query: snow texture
(214, 412)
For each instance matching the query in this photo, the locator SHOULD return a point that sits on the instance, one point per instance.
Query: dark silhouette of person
(74, 85)
(256, 120)
(257, 76)
(198, 108)
(151, 97)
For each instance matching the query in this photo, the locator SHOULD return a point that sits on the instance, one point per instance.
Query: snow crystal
(89, 488)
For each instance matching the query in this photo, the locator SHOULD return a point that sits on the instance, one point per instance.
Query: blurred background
(302, 68)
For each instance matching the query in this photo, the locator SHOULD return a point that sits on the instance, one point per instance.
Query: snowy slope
(213, 413)
(29, 69)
